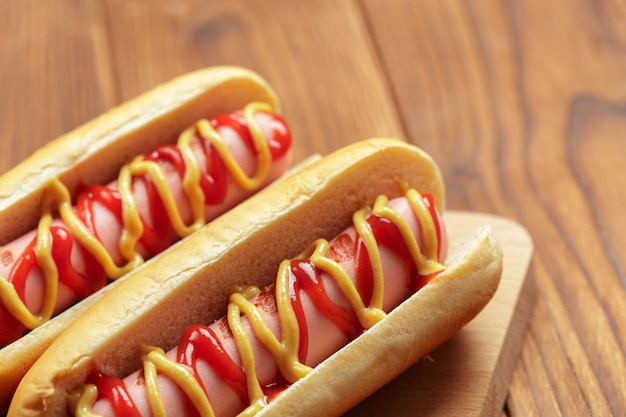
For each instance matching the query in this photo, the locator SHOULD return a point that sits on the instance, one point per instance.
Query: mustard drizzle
(56, 195)
(285, 352)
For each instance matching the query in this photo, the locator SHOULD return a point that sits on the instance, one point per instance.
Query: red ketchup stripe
(82, 283)
(156, 237)
(213, 183)
(88, 195)
(308, 280)
(430, 203)
(278, 145)
(201, 342)
(115, 392)
(160, 235)
(296, 304)
(10, 327)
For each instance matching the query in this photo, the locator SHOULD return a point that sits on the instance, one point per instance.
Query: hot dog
(96, 203)
(325, 315)
(317, 203)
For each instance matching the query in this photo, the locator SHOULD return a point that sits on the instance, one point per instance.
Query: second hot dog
(94, 236)
(192, 163)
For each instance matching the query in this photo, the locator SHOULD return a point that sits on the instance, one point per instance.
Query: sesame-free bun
(93, 154)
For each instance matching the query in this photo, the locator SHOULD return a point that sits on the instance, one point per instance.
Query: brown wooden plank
(81, 58)
(54, 72)
(522, 103)
(316, 54)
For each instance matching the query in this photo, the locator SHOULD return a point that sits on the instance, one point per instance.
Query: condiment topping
(50, 250)
(364, 293)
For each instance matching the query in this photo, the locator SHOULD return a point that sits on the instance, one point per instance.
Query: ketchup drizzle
(156, 236)
(309, 281)
(430, 203)
(201, 342)
(115, 392)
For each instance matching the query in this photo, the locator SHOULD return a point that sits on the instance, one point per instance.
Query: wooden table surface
(522, 103)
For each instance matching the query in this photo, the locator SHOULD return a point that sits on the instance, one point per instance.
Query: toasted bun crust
(94, 153)
(191, 283)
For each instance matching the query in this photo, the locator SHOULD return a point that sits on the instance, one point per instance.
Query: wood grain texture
(52, 76)
(523, 104)
(318, 56)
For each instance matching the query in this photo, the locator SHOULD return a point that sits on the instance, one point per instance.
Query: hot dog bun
(94, 153)
(191, 284)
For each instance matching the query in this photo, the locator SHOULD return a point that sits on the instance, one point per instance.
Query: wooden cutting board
(469, 375)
